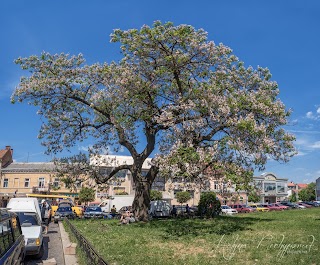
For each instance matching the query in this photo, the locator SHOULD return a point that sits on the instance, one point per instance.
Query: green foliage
(183, 196)
(155, 195)
(209, 205)
(86, 194)
(309, 193)
(254, 197)
(195, 241)
(293, 197)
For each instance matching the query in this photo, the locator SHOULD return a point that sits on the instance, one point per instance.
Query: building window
(281, 187)
(216, 185)
(26, 183)
(16, 182)
(270, 188)
(5, 183)
(158, 184)
(41, 183)
(56, 183)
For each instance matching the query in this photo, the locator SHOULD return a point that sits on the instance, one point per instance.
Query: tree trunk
(141, 200)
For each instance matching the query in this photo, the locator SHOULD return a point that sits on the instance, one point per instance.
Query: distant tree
(309, 193)
(173, 91)
(254, 196)
(209, 205)
(183, 196)
(155, 195)
(293, 197)
(86, 195)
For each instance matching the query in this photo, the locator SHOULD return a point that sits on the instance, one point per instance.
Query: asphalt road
(52, 247)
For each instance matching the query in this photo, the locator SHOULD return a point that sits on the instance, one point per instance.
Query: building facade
(19, 179)
(318, 189)
(271, 188)
(225, 191)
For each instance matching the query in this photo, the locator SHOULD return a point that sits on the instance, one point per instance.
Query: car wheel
(41, 252)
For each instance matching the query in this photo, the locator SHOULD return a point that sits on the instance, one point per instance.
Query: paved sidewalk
(52, 247)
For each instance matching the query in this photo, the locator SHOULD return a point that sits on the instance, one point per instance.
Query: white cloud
(309, 115)
(316, 145)
(318, 110)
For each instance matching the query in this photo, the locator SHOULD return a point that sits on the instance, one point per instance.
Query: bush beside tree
(209, 205)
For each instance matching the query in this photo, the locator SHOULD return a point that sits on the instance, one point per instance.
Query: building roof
(291, 184)
(29, 167)
(302, 186)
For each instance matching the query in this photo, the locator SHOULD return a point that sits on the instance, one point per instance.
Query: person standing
(113, 211)
(45, 215)
(188, 210)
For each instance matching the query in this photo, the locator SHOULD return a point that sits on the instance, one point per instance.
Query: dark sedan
(63, 212)
(93, 212)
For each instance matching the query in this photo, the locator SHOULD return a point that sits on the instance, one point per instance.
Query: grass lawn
(288, 237)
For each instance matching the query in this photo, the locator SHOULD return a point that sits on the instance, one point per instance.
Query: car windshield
(93, 209)
(27, 218)
(64, 209)
(225, 207)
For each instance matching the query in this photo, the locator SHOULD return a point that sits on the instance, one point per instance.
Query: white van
(29, 214)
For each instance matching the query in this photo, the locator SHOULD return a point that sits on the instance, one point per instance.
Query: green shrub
(209, 205)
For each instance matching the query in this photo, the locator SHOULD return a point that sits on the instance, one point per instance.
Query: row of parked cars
(265, 207)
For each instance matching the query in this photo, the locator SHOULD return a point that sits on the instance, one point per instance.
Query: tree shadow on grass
(222, 225)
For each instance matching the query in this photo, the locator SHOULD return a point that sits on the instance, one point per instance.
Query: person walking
(45, 215)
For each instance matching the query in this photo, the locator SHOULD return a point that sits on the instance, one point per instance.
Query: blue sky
(281, 35)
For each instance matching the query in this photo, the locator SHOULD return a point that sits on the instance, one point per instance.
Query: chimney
(8, 147)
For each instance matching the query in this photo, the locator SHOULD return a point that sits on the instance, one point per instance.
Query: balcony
(37, 189)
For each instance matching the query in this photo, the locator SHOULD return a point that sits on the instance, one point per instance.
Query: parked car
(93, 212)
(304, 204)
(313, 204)
(272, 207)
(123, 209)
(159, 208)
(289, 204)
(28, 211)
(242, 208)
(259, 207)
(225, 209)
(67, 203)
(181, 210)
(63, 212)
(282, 207)
(300, 206)
(12, 252)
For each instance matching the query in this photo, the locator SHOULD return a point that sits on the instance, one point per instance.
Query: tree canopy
(86, 195)
(183, 196)
(309, 193)
(174, 94)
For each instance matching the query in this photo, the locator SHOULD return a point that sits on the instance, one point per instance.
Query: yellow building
(19, 179)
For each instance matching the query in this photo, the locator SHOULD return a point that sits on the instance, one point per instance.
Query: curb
(69, 249)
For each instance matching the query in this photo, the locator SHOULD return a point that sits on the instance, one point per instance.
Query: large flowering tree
(174, 93)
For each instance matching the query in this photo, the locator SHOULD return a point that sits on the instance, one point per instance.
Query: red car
(272, 207)
(241, 208)
(282, 207)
